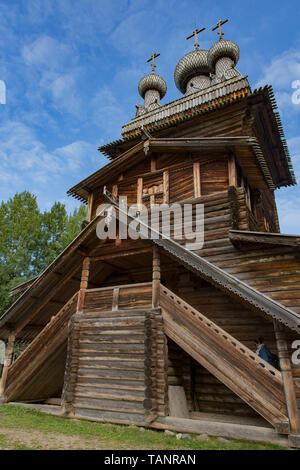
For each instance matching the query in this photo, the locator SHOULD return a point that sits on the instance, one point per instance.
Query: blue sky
(72, 67)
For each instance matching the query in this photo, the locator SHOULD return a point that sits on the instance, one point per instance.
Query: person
(263, 352)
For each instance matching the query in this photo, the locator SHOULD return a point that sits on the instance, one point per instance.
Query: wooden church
(147, 331)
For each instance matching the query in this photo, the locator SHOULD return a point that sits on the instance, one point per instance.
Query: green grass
(103, 435)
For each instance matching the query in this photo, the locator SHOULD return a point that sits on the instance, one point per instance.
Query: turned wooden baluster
(156, 277)
(83, 283)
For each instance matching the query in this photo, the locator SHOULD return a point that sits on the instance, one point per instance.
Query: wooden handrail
(246, 374)
(121, 286)
(24, 365)
(241, 348)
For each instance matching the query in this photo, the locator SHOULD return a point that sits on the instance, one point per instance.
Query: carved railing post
(83, 283)
(71, 369)
(287, 377)
(156, 277)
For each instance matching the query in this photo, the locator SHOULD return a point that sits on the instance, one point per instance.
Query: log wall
(116, 366)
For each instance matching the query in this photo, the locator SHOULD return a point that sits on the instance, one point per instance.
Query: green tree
(73, 225)
(20, 231)
(31, 240)
(53, 225)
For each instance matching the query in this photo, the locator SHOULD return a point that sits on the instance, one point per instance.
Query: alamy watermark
(296, 94)
(296, 354)
(181, 222)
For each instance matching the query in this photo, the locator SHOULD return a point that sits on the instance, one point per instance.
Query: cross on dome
(152, 59)
(195, 34)
(219, 24)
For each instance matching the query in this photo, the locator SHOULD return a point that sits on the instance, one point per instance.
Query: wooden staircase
(35, 374)
(246, 374)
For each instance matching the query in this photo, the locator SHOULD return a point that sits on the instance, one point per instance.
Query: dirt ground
(30, 439)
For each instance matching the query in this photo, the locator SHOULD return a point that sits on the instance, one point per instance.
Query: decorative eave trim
(238, 237)
(268, 90)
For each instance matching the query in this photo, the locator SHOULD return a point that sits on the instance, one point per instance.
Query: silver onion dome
(223, 48)
(152, 82)
(192, 64)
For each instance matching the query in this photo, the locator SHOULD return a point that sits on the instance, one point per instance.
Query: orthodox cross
(219, 24)
(152, 59)
(195, 34)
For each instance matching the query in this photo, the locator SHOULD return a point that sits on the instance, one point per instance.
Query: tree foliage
(30, 239)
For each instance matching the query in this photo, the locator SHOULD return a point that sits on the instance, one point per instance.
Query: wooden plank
(232, 172)
(224, 429)
(197, 179)
(90, 207)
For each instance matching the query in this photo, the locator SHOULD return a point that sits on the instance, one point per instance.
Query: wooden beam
(197, 181)
(7, 363)
(115, 300)
(219, 428)
(166, 184)
(139, 191)
(90, 207)
(232, 171)
(119, 254)
(287, 376)
(84, 283)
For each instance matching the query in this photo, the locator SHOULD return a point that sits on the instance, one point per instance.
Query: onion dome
(193, 64)
(223, 48)
(152, 82)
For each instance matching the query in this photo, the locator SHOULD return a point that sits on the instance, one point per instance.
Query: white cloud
(53, 74)
(47, 53)
(27, 163)
(282, 70)
(76, 154)
(281, 73)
